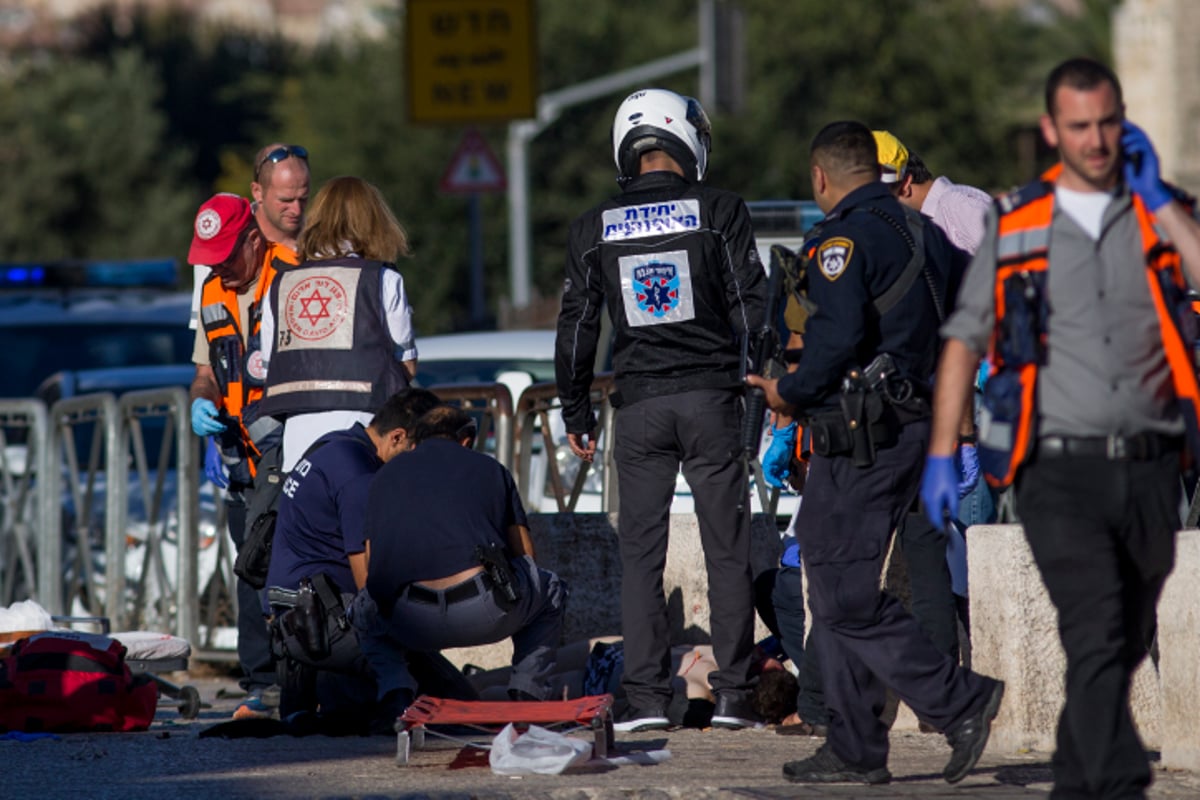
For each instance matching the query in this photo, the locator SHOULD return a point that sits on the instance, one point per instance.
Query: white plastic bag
(25, 615)
(537, 750)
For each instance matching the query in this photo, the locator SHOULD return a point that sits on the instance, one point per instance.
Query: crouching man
(319, 562)
(451, 565)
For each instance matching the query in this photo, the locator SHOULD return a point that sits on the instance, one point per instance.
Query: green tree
(87, 172)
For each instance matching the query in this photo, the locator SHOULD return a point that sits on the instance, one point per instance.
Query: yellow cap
(893, 156)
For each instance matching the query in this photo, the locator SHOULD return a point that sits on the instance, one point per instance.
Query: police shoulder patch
(833, 256)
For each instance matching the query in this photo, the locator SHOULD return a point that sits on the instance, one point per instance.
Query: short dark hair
(846, 148)
(1081, 74)
(444, 422)
(403, 409)
(917, 170)
(774, 696)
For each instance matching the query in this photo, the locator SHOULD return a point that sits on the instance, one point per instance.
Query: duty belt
(1139, 447)
(475, 585)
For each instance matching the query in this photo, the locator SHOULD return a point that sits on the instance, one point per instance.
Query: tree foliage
(109, 146)
(87, 170)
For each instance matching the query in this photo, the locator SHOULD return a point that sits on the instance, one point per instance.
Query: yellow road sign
(471, 60)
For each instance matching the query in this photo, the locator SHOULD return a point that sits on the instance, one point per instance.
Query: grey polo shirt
(1106, 372)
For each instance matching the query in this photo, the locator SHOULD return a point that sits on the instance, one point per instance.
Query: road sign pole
(475, 222)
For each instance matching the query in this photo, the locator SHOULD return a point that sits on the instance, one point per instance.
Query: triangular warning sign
(473, 168)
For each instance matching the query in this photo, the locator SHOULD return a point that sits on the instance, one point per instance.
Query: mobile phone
(1134, 159)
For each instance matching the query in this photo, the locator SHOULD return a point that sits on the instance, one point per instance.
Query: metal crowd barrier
(491, 404)
(63, 508)
(534, 410)
(23, 425)
(99, 411)
(157, 604)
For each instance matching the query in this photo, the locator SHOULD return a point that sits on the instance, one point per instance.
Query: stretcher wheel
(189, 705)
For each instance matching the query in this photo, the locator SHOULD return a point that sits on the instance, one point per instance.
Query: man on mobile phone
(1091, 390)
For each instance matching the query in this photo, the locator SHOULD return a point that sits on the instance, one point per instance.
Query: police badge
(834, 255)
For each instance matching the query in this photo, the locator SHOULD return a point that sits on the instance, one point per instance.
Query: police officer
(451, 564)
(1092, 386)
(677, 265)
(320, 537)
(226, 391)
(876, 280)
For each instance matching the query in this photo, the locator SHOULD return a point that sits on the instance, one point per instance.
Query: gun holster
(866, 423)
(494, 560)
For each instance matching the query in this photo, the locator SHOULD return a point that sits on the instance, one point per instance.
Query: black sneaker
(734, 712)
(970, 736)
(630, 719)
(825, 767)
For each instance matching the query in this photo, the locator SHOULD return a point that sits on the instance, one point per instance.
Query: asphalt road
(172, 762)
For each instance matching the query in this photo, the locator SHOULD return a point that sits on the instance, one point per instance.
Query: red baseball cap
(219, 222)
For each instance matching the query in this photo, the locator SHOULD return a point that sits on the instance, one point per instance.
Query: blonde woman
(337, 332)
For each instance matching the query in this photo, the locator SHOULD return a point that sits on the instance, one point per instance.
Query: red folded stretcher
(593, 712)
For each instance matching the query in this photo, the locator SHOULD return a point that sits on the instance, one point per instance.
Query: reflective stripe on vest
(1022, 246)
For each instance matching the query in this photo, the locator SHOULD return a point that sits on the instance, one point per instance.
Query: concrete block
(582, 549)
(1014, 637)
(1179, 660)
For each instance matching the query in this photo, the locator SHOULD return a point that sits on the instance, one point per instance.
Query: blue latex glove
(779, 454)
(968, 469)
(214, 466)
(791, 552)
(1141, 168)
(939, 489)
(204, 417)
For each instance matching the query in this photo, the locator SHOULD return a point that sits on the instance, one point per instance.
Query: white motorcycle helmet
(657, 119)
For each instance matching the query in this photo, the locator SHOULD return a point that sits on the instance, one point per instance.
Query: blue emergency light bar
(140, 274)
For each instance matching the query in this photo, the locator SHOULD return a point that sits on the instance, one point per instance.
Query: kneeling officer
(452, 564)
(879, 280)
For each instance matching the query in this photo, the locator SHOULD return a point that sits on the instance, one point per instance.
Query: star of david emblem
(657, 288)
(322, 307)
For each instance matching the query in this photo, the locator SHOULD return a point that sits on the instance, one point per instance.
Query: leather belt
(1139, 447)
(469, 588)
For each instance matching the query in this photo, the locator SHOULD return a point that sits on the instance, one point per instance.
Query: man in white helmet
(677, 265)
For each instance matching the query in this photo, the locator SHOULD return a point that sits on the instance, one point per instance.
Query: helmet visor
(699, 120)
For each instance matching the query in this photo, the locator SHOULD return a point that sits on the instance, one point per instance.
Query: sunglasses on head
(280, 154)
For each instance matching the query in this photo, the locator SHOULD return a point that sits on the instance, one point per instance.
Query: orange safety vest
(241, 388)
(1022, 245)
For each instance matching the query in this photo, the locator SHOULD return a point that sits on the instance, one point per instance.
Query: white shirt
(959, 210)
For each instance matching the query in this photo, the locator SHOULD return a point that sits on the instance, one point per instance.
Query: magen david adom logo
(315, 307)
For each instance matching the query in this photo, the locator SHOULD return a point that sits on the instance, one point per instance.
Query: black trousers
(787, 596)
(1103, 536)
(254, 639)
(924, 548)
(655, 437)
(866, 641)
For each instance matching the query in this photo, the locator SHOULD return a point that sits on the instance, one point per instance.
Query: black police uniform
(677, 264)
(866, 640)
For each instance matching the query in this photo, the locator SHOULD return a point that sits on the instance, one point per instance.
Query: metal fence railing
(537, 441)
(23, 426)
